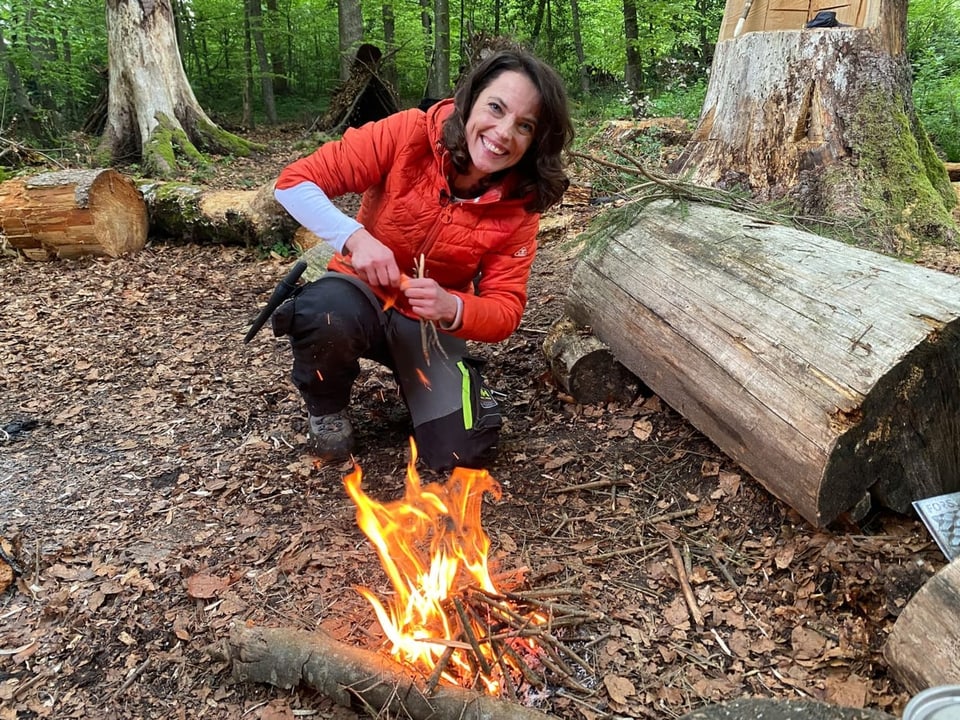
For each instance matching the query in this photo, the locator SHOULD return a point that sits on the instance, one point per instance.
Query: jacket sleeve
(359, 160)
(494, 313)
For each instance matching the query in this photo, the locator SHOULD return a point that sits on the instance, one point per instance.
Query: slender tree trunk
(280, 55)
(247, 86)
(255, 12)
(152, 113)
(538, 21)
(350, 24)
(426, 23)
(497, 11)
(631, 33)
(388, 70)
(439, 80)
(578, 47)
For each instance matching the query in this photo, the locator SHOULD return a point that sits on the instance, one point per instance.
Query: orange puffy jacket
(401, 166)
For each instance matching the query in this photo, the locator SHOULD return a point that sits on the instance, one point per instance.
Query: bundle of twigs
(514, 640)
(645, 186)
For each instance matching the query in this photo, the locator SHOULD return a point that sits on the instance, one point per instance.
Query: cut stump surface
(73, 213)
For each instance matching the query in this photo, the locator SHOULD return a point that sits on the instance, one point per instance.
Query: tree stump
(585, 368)
(922, 649)
(825, 370)
(190, 213)
(823, 117)
(72, 213)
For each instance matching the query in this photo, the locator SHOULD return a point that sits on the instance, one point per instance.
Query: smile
(490, 147)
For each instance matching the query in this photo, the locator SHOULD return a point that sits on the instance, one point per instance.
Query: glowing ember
(432, 545)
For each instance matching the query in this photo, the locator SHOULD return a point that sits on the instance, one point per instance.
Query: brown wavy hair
(541, 169)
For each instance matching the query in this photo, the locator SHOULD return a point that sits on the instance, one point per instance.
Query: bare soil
(154, 490)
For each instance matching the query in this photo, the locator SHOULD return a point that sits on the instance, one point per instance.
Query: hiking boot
(330, 437)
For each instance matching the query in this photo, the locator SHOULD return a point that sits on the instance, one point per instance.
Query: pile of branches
(519, 644)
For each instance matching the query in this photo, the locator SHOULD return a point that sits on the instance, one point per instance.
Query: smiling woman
(452, 198)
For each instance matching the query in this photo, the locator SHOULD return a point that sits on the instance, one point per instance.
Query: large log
(825, 370)
(189, 213)
(72, 213)
(922, 650)
(287, 658)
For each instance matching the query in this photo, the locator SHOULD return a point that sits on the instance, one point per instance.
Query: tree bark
(152, 112)
(826, 371)
(825, 119)
(73, 213)
(922, 649)
(351, 676)
(438, 79)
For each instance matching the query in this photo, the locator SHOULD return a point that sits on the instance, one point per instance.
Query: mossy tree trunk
(152, 113)
(825, 118)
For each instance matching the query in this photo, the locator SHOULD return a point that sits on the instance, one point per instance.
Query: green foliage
(59, 50)
(933, 44)
(682, 100)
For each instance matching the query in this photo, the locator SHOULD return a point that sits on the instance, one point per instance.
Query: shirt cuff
(457, 319)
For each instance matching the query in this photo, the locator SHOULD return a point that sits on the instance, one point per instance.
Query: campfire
(447, 619)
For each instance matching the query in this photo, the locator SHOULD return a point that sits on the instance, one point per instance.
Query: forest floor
(154, 492)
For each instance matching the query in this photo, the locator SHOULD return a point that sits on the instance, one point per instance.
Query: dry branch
(351, 676)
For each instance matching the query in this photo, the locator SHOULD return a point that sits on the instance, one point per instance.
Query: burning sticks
(446, 617)
(509, 641)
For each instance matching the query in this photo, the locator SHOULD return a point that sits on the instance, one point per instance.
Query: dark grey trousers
(336, 320)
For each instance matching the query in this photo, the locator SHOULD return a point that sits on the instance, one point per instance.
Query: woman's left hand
(428, 300)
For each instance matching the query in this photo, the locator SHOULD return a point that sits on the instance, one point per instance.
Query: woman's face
(502, 122)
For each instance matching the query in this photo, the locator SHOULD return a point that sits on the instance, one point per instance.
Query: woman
(443, 241)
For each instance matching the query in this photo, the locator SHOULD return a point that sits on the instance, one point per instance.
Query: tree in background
(152, 113)
(350, 23)
(255, 15)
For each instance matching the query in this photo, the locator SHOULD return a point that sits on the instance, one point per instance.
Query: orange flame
(430, 544)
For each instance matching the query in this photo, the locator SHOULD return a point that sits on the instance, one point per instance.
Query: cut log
(823, 117)
(189, 213)
(922, 648)
(953, 171)
(287, 658)
(825, 370)
(73, 213)
(585, 368)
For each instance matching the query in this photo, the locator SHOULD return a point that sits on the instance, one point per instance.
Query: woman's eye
(495, 107)
(526, 128)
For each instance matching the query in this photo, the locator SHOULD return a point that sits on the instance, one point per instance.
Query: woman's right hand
(372, 260)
